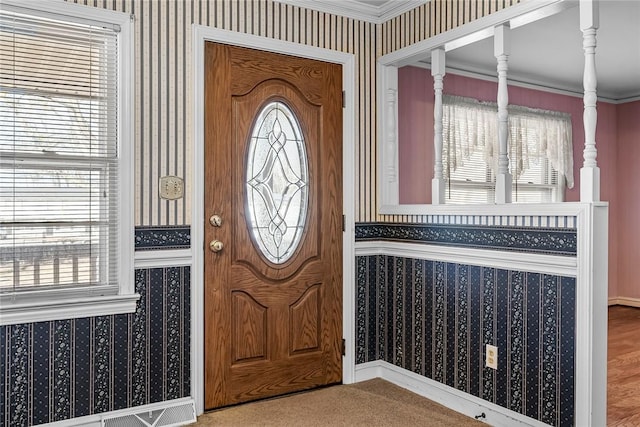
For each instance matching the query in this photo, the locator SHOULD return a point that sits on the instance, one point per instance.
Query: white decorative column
(590, 173)
(387, 146)
(501, 52)
(591, 309)
(391, 136)
(438, 72)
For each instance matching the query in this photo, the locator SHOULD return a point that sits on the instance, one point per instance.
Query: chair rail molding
(536, 263)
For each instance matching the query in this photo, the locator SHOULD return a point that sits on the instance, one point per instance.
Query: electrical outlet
(491, 359)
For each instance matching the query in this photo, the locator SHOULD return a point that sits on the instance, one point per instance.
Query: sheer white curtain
(471, 126)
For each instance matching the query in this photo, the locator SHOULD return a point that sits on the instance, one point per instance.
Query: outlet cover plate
(171, 187)
(492, 356)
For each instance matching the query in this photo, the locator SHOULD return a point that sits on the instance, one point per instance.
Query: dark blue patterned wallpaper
(56, 370)
(159, 238)
(434, 318)
(558, 241)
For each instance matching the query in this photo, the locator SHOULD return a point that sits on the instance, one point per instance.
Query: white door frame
(200, 35)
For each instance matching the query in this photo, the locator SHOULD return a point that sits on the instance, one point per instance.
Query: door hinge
(344, 347)
(344, 223)
(344, 102)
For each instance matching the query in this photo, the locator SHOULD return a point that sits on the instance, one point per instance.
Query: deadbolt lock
(216, 246)
(215, 220)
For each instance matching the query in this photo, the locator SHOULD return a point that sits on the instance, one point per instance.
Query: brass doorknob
(216, 246)
(215, 220)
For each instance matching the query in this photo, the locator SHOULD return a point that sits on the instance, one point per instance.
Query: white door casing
(201, 34)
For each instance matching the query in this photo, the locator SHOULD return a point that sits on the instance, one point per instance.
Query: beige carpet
(370, 403)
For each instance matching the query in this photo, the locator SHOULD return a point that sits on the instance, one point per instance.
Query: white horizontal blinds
(469, 127)
(537, 135)
(540, 144)
(58, 154)
(534, 178)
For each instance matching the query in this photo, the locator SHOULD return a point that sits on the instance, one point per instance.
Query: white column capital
(502, 40)
(438, 62)
(589, 14)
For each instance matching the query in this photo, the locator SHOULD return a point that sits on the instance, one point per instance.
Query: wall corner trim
(447, 396)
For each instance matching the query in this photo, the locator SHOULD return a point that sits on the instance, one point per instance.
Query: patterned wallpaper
(434, 319)
(52, 371)
(541, 240)
(170, 237)
(163, 87)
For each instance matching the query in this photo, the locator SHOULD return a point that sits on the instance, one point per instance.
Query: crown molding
(359, 9)
(479, 73)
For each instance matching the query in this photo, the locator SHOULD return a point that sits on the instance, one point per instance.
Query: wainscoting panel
(434, 319)
(53, 371)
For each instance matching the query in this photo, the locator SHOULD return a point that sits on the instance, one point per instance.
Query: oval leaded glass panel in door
(277, 182)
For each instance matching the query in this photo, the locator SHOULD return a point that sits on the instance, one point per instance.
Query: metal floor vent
(176, 415)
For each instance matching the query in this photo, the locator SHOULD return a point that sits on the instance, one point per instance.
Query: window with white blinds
(540, 152)
(60, 164)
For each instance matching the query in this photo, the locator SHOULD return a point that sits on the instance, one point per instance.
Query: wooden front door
(273, 184)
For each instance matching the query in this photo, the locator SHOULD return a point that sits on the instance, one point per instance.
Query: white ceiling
(549, 52)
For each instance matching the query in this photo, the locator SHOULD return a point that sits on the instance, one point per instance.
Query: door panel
(249, 324)
(305, 319)
(273, 311)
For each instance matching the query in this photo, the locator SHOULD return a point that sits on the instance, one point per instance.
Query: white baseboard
(162, 414)
(457, 400)
(630, 302)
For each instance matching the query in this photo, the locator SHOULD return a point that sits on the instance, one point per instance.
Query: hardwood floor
(623, 367)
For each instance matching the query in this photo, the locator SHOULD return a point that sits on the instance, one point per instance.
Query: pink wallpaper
(415, 135)
(618, 129)
(627, 214)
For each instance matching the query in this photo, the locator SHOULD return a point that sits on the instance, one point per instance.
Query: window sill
(42, 311)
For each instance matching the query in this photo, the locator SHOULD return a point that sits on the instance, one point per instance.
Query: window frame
(68, 303)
